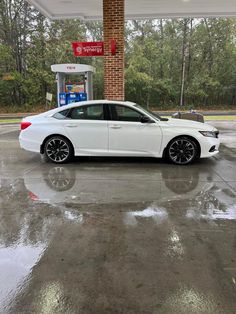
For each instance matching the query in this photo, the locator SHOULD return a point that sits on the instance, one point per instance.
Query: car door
(88, 130)
(128, 136)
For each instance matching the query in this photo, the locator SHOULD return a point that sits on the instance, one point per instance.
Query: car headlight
(210, 133)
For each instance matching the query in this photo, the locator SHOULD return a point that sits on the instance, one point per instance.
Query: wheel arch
(42, 146)
(184, 135)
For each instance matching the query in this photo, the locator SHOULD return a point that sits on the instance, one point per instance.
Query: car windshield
(153, 114)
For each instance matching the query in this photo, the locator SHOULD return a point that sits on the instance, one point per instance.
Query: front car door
(87, 128)
(128, 136)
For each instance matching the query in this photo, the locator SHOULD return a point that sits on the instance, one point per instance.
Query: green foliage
(157, 51)
(164, 58)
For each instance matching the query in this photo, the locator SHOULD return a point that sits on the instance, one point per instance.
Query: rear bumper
(29, 145)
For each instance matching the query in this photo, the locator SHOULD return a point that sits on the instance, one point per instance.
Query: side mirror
(145, 119)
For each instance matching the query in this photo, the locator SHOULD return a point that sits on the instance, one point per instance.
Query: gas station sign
(88, 49)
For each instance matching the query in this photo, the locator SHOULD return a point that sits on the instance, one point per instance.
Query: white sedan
(115, 128)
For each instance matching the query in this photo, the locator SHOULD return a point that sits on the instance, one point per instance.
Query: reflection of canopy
(92, 9)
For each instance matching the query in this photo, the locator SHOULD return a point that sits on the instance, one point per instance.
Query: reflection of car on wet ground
(90, 185)
(62, 184)
(109, 128)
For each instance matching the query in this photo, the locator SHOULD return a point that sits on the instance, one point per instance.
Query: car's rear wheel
(58, 150)
(182, 150)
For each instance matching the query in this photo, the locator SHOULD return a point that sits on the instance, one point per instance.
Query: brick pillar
(113, 28)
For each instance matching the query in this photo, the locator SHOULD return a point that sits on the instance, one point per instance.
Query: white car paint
(115, 138)
(134, 138)
(88, 136)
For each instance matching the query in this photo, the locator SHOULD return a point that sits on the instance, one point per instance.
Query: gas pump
(71, 90)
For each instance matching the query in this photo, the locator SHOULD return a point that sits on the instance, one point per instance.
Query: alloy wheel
(57, 150)
(182, 151)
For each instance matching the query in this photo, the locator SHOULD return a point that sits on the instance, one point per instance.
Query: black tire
(182, 150)
(58, 150)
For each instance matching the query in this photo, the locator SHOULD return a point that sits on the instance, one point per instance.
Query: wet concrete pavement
(117, 235)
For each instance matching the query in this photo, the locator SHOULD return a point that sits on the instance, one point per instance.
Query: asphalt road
(104, 235)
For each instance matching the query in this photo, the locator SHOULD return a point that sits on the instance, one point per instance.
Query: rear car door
(87, 128)
(129, 136)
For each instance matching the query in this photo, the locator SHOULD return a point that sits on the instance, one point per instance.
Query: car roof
(101, 101)
(88, 102)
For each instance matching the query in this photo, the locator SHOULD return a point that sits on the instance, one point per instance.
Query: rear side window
(92, 112)
(62, 114)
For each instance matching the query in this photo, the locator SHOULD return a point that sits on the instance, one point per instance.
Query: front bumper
(207, 144)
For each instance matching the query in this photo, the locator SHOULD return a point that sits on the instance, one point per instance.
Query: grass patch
(10, 120)
(223, 118)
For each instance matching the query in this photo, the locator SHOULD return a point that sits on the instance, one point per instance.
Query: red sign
(88, 49)
(113, 47)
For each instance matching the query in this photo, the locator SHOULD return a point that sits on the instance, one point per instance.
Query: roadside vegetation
(170, 63)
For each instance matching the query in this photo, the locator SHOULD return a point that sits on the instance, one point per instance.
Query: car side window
(123, 113)
(91, 112)
(62, 114)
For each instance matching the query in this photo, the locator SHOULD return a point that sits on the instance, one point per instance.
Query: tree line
(168, 62)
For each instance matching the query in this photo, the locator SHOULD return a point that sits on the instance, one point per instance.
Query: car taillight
(24, 125)
(33, 197)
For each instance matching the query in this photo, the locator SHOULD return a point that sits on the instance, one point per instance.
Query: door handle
(71, 125)
(115, 127)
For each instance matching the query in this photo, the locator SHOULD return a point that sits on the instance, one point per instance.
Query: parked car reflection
(60, 184)
(86, 185)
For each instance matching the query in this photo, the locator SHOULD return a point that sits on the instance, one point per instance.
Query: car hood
(190, 124)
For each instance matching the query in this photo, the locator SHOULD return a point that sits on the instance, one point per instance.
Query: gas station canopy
(137, 9)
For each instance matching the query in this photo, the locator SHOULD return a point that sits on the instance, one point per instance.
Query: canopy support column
(113, 28)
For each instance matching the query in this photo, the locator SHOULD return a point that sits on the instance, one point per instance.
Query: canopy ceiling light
(137, 9)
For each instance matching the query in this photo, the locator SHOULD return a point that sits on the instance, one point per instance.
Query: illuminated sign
(88, 49)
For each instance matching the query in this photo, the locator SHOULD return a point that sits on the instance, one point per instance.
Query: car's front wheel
(58, 149)
(182, 150)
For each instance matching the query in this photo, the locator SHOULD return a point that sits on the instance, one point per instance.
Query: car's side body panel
(134, 138)
(89, 137)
